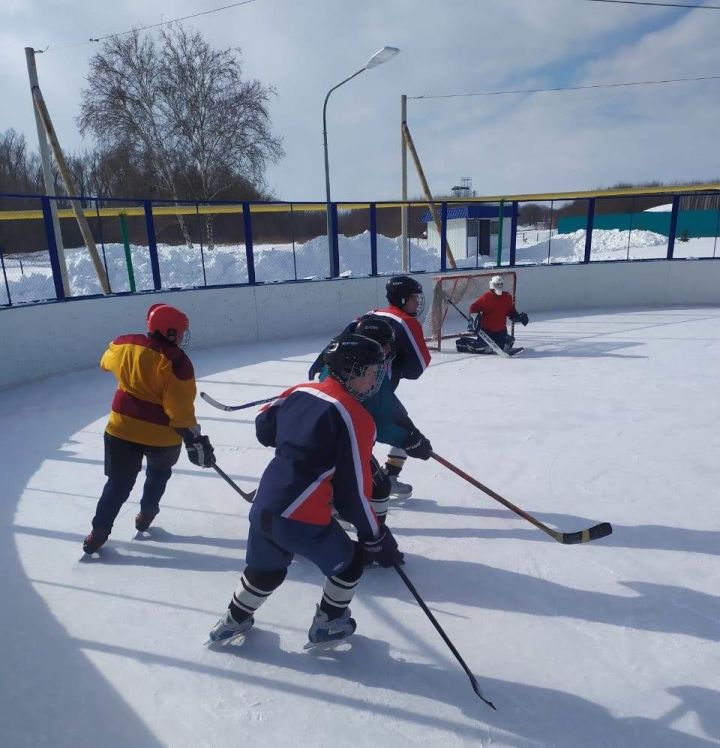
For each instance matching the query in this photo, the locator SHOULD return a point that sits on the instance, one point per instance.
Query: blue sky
(537, 142)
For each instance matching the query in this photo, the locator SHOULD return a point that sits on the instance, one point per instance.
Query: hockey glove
(417, 445)
(384, 550)
(523, 318)
(200, 451)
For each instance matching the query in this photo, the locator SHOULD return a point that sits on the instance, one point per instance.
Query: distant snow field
(30, 277)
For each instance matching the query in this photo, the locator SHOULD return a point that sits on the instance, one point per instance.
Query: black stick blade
(477, 690)
(586, 536)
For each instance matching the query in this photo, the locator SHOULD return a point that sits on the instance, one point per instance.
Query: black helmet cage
(349, 355)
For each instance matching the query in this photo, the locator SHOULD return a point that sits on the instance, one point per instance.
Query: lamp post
(381, 56)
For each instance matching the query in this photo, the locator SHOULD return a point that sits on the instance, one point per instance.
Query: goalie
(492, 309)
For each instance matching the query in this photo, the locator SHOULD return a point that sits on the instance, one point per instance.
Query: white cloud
(506, 144)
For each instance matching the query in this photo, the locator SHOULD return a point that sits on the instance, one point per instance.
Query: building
(473, 230)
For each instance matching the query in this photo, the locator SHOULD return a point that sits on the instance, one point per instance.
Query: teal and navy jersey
(323, 439)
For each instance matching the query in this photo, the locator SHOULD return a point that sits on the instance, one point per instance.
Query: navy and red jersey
(323, 439)
(495, 309)
(156, 390)
(413, 356)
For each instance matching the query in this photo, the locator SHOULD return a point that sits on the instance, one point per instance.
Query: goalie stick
(229, 408)
(567, 538)
(481, 333)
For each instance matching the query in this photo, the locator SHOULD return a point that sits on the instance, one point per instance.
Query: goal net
(442, 321)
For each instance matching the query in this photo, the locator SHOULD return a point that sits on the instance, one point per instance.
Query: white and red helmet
(168, 321)
(497, 284)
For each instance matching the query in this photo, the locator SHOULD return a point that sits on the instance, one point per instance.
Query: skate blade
(231, 641)
(141, 535)
(342, 644)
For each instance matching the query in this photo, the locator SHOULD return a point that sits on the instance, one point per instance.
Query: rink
(607, 417)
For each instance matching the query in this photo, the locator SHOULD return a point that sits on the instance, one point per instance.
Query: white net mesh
(442, 320)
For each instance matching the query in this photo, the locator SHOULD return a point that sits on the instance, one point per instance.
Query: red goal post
(441, 320)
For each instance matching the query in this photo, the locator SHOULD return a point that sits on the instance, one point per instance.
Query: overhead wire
(658, 5)
(97, 39)
(568, 88)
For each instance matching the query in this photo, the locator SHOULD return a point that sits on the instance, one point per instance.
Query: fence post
(501, 218)
(373, 239)
(589, 229)
(152, 245)
(128, 255)
(247, 226)
(335, 254)
(7, 285)
(513, 233)
(443, 237)
(52, 248)
(673, 226)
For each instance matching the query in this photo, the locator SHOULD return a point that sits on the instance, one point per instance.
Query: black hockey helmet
(376, 328)
(400, 288)
(349, 355)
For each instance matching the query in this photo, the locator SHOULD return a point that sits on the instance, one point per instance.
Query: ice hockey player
(492, 308)
(392, 422)
(406, 304)
(323, 439)
(152, 413)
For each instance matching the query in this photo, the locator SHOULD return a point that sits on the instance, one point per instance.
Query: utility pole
(47, 173)
(404, 210)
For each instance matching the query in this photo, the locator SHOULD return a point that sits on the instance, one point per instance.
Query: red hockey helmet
(170, 322)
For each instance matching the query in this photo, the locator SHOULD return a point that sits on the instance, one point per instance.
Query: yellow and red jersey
(156, 390)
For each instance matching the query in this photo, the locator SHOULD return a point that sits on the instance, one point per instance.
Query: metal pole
(47, 172)
(332, 264)
(62, 165)
(404, 210)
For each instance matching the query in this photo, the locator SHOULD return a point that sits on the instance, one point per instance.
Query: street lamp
(381, 56)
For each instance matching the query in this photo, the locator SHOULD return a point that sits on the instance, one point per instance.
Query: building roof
(471, 211)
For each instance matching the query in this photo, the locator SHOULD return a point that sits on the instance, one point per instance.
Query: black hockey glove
(417, 445)
(523, 318)
(384, 550)
(200, 451)
(381, 482)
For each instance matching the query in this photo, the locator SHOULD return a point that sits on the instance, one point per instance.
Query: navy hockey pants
(274, 540)
(123, 461)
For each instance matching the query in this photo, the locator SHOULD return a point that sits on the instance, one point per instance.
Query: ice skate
(228, 631)
(398, 489)
(326, 631)
(95, 540)
(143, 520)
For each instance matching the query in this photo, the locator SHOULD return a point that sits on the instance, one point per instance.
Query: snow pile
(182, 267)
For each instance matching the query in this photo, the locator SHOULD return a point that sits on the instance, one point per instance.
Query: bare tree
(183, 108)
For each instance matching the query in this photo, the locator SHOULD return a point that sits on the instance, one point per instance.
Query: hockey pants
(123, 462)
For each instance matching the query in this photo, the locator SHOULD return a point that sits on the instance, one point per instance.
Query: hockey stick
(480, 333)
(568, 538)
(445, 637)
(229, 408)
(247, 496)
